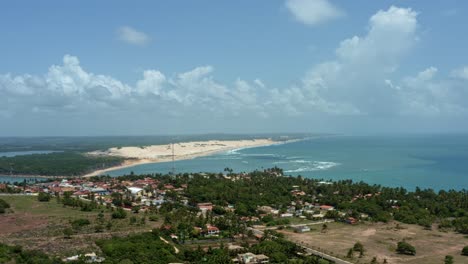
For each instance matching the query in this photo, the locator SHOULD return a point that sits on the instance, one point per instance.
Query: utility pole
(173, 159)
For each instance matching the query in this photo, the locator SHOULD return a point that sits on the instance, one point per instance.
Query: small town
(234, 215)
(146, 195)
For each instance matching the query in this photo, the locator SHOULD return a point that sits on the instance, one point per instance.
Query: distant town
(237, 217)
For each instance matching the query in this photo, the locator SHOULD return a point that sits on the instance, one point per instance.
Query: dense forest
(449, 209)
(55, 164)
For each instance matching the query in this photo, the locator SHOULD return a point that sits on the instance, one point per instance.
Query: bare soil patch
(380, 241)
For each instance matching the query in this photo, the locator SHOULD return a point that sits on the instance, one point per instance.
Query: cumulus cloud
(361, 79)
(132, 36)
(69, 87)
(313, 12)
(461, 73)
(353, 82)
(427, 94)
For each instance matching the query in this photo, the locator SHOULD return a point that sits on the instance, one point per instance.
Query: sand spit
(182, 151)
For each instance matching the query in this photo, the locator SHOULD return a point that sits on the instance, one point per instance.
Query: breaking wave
(314, 166)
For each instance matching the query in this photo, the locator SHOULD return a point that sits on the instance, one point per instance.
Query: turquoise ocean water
(435, 161)
(430, 161)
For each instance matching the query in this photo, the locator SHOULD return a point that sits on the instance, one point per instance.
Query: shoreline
(132, 162)
(168, 158)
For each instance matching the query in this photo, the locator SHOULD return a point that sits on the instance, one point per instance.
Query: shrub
(465, 251)
(448, 259)
(119, 214)
(4, 204)
(405, 248)
(67, 232)
(43, 197)
(80, 223)
(153, 218)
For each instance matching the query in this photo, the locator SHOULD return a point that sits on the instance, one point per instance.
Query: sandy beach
(183, 150)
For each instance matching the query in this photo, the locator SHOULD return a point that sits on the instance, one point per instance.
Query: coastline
(224, 146)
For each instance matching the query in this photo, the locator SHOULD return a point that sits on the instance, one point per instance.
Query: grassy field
(30, 205)
(380, 241)
(40, 225)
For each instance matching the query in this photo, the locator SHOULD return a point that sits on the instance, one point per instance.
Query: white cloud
(361, 79)
(461, 73)
(152, 83)
(69, 88)
(354, 81)
(313, 12)
(132, 36)
(259, 83)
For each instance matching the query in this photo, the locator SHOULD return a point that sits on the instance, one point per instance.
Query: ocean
(429, 161)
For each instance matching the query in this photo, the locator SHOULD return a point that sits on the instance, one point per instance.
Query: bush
(465, 251)
(405, 248)
(43, 197)
(153, 218)
(67, 232)
(3, 205)
(448, 259)
(119, 214)
(78, 223)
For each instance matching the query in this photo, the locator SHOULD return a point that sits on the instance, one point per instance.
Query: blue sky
(159, 67)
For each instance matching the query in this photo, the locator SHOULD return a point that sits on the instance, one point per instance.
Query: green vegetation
(15, 254)
(56, 164)
(423, 207)
(358, 247)
(43, 197)
(119, 213)
(149, 248)
(405, 248)
(448, 259)
(143, 248)
(465, 251)
(3, 206)
(80, 222)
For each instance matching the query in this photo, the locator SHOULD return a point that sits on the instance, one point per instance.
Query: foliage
(3, 206)
(358, 247)
(405, 248)
(153, 218)
(143, 248)
(448, 259)
(43, 197)
(68, 232)
(15, 254)
(78, 223)
(465, 251)
(119, 213)
(56, 164)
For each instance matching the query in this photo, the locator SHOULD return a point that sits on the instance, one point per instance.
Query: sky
(85, 68)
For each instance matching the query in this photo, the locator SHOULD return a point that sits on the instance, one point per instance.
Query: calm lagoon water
(6, 178)
(29, 152)
(436, 161)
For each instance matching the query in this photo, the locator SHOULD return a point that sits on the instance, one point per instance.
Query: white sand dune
(183, 150)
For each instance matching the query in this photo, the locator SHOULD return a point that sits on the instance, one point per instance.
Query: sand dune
(183, 150)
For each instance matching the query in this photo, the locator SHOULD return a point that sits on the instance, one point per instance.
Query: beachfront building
(135, 191)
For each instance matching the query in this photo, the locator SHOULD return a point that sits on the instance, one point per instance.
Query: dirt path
(167, 242)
